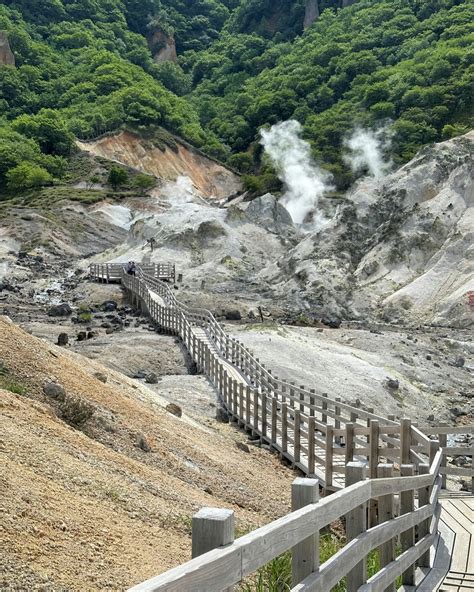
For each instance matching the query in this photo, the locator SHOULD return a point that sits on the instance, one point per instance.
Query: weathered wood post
(386, 513)
(305, 555)
(356, 523)
(373, 464)
(407, 538)
(424, 527)
(311, 446)
(443, 442)
(405, 441)
(312, 402)
(297, 437)
(349, 442)
(329, 457)
(248, 393)
(324, 417)
(212, 528)
(337, 421)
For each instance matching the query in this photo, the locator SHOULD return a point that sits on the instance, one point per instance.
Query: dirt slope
(89, 509)
(210, 179)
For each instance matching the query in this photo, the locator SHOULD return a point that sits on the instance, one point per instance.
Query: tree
(117, 177)
(49, 129)
(142, 181)
(27, 176)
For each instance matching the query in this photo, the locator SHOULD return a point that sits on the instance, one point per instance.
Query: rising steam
(304, 182)
(367, 150)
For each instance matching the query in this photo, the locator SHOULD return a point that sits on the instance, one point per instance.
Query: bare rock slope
(167, 162)
(106, 504)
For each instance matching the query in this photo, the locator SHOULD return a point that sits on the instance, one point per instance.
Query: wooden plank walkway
(457, 515)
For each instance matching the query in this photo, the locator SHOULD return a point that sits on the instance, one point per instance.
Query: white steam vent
(366, 151)
(305, 183)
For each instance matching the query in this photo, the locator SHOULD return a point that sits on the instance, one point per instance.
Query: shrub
(76, 410)
(27, 176)
(117, 177)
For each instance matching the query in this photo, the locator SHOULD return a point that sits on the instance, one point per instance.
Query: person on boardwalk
(131, 268)
(152, 242)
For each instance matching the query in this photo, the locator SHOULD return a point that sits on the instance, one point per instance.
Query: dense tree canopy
(85, 67)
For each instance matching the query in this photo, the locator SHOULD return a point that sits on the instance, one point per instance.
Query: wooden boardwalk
(458, 516)
(324, 438)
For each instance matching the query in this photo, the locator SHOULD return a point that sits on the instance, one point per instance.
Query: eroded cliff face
(163, 47)
(311, 13)
(209, 178)
(7, 57)
(400, 249)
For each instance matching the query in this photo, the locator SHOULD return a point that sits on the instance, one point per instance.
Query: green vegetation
(85, 67)
(9, 382)
(117, 177)
(276, 575)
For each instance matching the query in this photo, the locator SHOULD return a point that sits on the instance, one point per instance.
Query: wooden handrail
(287, 417)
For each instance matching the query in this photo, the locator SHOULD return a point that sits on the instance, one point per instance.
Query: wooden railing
(416, 529)
(112, 272)
(326, 438)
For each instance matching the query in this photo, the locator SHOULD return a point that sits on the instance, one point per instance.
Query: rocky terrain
(102, 475)
(394, 256)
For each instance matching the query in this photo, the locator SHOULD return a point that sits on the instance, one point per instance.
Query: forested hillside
(84, 67)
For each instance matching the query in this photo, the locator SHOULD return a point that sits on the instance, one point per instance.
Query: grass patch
(276, 575)
(9, 383)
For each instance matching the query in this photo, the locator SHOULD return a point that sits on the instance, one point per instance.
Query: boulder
(144, 444)
(459, 362)
(151, 378)
(54, 389)
(392, 384)
(60, 310)
(268, 212)
(101, 377)
(109, 306)
(174, 409)
(221, 415)
(7, 57)
(243, 447)
(63, 339)
(233, 315)
(82, 336)
(331, 322)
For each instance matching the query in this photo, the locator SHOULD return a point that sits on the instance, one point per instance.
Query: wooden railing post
(356, 523)
(284, 428)
(329, 456)
(405, 441)
(424, 527)
(305, 555)
(407, 538)
(311, 446)
(212, 528)
(386, 513)
(337, 421)
(274, 420)
(324, 417)
(349, 442)
(297, 437)
(443, 442)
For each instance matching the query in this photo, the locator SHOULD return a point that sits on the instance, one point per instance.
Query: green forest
(86, 67)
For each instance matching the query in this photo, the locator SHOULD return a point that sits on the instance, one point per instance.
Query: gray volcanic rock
(268, 212)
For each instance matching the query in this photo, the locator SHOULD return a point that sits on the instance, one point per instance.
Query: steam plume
(304, 182)
(366, 151)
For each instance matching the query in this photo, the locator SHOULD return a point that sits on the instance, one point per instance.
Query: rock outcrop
(268, 212)
(7, 57)
(209, 178)
(400, 248)
(312, 13)
(163, 47)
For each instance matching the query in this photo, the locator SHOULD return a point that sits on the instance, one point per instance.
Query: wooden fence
(112, 272)
(413, 527)
(325, 438)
